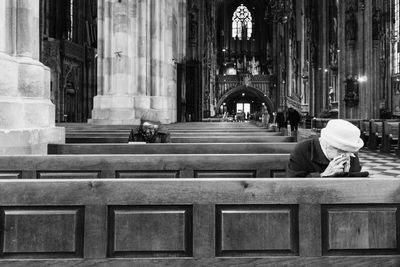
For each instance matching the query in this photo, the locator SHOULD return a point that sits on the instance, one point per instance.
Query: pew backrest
(144, 166)
(184, 139)
(232, 139)
(189, 222)
(169, 148)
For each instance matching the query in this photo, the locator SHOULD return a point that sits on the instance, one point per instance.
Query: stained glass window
(242, 23)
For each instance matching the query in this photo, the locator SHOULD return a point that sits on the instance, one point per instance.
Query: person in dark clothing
(293, 119)
(280, 120)
(150, 131)
(333, 154)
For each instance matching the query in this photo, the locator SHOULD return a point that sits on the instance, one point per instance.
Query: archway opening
(244, 99)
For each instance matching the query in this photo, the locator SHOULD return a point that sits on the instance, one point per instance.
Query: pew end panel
(375, 137)
(390, 136)
(365, 131)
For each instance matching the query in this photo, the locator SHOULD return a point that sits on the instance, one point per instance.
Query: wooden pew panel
(38, 232)
(68, 174)
(274, 230)
(10, 174)
(225, 174)
(147, 174)
(360, 229)
(150, 231)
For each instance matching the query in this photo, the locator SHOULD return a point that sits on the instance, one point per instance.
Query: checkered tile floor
(379, 164)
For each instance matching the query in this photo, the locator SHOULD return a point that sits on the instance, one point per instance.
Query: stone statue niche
(351, 23)
(351, 91)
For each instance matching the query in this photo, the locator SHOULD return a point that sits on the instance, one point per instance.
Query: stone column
(137, 42)
(341, 60)
(27, 116)
(114, 102)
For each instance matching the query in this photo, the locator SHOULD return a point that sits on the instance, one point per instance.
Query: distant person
(267, 118)
(280, 120)
(225, 116)
(333, 154)
(150, 130)
(293, 118)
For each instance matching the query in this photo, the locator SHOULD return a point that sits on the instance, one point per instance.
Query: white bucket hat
(342, 135)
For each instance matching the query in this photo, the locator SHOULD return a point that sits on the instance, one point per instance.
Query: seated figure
(334, 154)
(150, 130)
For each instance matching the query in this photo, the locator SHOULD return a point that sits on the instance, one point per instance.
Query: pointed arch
(242, 19)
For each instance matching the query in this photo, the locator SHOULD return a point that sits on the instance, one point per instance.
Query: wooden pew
(233, 139)
(390, 136)
(168, 148)
(107, 134)
(185, 139)
(173, 134)
(173, 130)
(222, 134)
(177, 126)
(213, 130)
(144, 166)
(375, 134)
(226, 130)
(211, 222)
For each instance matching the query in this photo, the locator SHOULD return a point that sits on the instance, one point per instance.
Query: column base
(127, 110)
(109, 121)
(113, 110)
(30, 141)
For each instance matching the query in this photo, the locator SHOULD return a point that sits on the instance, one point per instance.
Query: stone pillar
(341, 60)
(137, 43)
(27, 116)
(324, 55)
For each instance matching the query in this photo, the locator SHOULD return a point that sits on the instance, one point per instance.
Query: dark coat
(280, 120)
(309, 159)
(293, 117)
(159, 137)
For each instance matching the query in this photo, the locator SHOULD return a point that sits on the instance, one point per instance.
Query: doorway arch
(249, 90)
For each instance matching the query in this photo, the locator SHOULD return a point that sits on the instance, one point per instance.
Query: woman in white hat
(333, 154)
